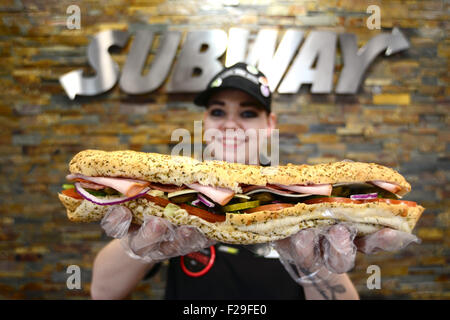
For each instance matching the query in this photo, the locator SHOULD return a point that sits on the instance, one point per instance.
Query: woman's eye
(217, 113)
(249, 114)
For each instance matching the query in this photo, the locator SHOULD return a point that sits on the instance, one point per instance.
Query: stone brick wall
(400, 118)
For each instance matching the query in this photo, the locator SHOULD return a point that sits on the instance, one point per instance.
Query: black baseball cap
(240, 76)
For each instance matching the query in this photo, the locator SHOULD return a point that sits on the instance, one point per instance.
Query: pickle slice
(241, 198)
(263, 197)
(97, 193)
(184, 198)
(110, 191)
(241, 206)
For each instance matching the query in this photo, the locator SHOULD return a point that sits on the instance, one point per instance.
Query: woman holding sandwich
(236, 99)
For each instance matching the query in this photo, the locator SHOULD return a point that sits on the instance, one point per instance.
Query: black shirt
(241, 275)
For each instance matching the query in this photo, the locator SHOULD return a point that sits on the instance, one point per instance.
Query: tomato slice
(348, 200)
(394, 201)
(72, 193)
(331, 199)
(205, 215)
(270, 207)
(157, 200)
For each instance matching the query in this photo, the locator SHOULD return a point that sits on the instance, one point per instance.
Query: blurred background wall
(399, 118)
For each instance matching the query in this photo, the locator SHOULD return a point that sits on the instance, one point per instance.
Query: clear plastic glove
(156, 239)
(311, 250)
(333, 249)
(385, 240)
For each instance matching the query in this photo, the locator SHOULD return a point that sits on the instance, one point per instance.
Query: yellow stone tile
(6, 221)
(433, 261)
(6, 110)
(362, 156)
(139, 139)
(69, 129)
(158, 19)
(427, 295)
(142, 10)
(400, 117)
(317, 160)
(297, 10)
(444, 49)
(394, 270)
(12, 274)
(249, 19)
(68, 38)
(111, 26)
(386, 98)
(278, 10)
(32, 249)
(318, 138)
(430, 233)
(377, 82)
(350, 130)
(292, 128)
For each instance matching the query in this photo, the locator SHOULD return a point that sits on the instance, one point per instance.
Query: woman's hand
(310, 249)
(156, 239)
(335, 247)
(317, 258)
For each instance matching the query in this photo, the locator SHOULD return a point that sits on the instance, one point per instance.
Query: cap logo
(240, 73)
(252, 69)
(263, 80)
(264, 90)
(216, 83)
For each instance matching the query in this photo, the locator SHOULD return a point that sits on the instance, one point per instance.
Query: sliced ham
(128, 187)
(391, 187)
(248, 188)
(166, 187)
(90, 185)
(316, 189)
(274, 190)
(219, 195)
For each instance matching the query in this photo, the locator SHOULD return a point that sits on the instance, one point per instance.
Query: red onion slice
(105, 202)
(205, 201)
(364, 196)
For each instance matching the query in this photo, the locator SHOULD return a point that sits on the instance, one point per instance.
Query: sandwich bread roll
(237, 203)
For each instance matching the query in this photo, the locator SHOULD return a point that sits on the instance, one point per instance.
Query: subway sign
(296, 59)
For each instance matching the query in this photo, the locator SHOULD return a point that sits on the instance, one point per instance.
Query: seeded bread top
(181, 170)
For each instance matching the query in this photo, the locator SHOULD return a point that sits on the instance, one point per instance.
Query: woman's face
(237, 117)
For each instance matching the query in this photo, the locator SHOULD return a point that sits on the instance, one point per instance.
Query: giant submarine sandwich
(238, 203)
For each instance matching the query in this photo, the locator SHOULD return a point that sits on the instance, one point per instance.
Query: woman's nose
(230, 123)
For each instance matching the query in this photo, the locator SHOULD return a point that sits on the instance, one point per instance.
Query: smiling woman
(236, 114)
(237, 101)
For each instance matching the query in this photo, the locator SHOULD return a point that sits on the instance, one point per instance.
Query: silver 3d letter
(107, 70)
